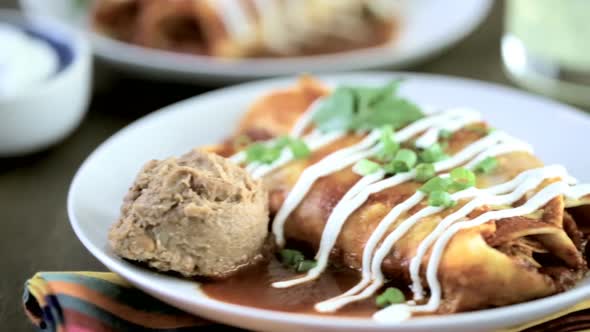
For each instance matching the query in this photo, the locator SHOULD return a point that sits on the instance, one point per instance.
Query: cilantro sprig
(364, 108)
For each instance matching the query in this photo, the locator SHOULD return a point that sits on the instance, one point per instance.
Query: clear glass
(546, 47)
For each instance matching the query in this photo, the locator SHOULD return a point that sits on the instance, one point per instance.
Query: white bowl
(556, 130)
(47, 112)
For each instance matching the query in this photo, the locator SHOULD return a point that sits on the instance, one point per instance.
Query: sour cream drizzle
(349, 203)
(524, 182)
(375, 277)
(345, 207)
(395, 312)
(330, 164)
(306, 118)
(338, 161)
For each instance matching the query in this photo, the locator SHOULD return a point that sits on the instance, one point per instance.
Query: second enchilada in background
(251, 28)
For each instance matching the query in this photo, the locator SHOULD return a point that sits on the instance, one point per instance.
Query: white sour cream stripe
(371, 276)
(372, 285)
(306, 119)
(332, 163)
(349, 296)
(346, 207)
(521, 184)
(540, 199)
(348, 156)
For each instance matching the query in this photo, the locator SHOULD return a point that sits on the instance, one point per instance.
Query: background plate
(430, 27)
(556, 130)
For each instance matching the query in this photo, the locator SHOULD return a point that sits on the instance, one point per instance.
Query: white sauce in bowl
(25, 61)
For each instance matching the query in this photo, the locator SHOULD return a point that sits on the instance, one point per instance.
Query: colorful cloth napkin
(104, 302)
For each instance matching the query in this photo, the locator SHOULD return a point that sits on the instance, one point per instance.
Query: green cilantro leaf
(365, 108)
(366, 97)
(299, 149)
(336, 112)
(260, 152)
(396, 112)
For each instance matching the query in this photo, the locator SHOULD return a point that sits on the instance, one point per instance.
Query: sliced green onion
(436, 184)
(299, 149)
(269, 152)
(260, 152)
(445, 134)
(255, 152)
(391, 296)
(486, 166)
(425, 172)
(462, 178)
(433, 154)
(441, 198)
(271, 155)
(365, 167)
(305, 266)
(291, 258)
(403, 161)
(390, 146)
(282, 142)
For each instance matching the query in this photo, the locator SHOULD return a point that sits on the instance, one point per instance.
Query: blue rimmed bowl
(49, 111)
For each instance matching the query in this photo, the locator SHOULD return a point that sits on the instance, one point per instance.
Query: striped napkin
(104, 302)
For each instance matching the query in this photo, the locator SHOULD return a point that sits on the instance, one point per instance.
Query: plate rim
(140, 278)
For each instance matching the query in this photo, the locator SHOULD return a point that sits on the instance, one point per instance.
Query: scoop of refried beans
(198, 215)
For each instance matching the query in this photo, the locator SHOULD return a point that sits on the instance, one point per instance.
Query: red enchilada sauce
(252, 287)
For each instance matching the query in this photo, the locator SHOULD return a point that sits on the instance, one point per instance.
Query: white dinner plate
(558, 132)
(430, 27)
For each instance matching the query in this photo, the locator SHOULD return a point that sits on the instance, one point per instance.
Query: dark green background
(34, 230)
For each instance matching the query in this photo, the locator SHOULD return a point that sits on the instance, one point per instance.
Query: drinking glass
(546, 47)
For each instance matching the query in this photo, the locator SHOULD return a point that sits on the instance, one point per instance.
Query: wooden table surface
(35, 233)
